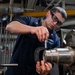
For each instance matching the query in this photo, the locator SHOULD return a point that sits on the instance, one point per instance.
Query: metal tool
(46, 44)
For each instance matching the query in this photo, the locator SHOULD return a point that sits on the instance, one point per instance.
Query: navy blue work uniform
(23, 53)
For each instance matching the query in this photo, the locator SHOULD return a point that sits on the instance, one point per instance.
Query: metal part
(38, 53)
(70, 38)
(59, 55)
(56, 55)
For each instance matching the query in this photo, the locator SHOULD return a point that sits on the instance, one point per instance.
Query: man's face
(53, 20)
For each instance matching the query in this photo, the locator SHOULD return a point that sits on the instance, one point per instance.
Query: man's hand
(41, 32)
(43, 68)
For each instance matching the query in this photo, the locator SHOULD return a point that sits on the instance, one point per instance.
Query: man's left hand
(43, 68)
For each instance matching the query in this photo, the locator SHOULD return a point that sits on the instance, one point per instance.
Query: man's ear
(48, 13)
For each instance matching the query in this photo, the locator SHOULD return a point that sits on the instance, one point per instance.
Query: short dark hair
(60, 10)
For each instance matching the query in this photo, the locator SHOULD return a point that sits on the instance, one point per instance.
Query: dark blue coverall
(23, 53)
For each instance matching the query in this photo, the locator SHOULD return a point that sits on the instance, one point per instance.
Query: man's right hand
(41, 32)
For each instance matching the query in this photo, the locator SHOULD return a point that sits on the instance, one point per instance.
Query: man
(32, 34)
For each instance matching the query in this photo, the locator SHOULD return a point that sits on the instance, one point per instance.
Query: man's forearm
(16, 27)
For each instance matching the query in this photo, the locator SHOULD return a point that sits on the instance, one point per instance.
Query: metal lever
(8, 65)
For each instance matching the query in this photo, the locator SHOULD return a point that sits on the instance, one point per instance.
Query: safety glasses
(55, 19)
